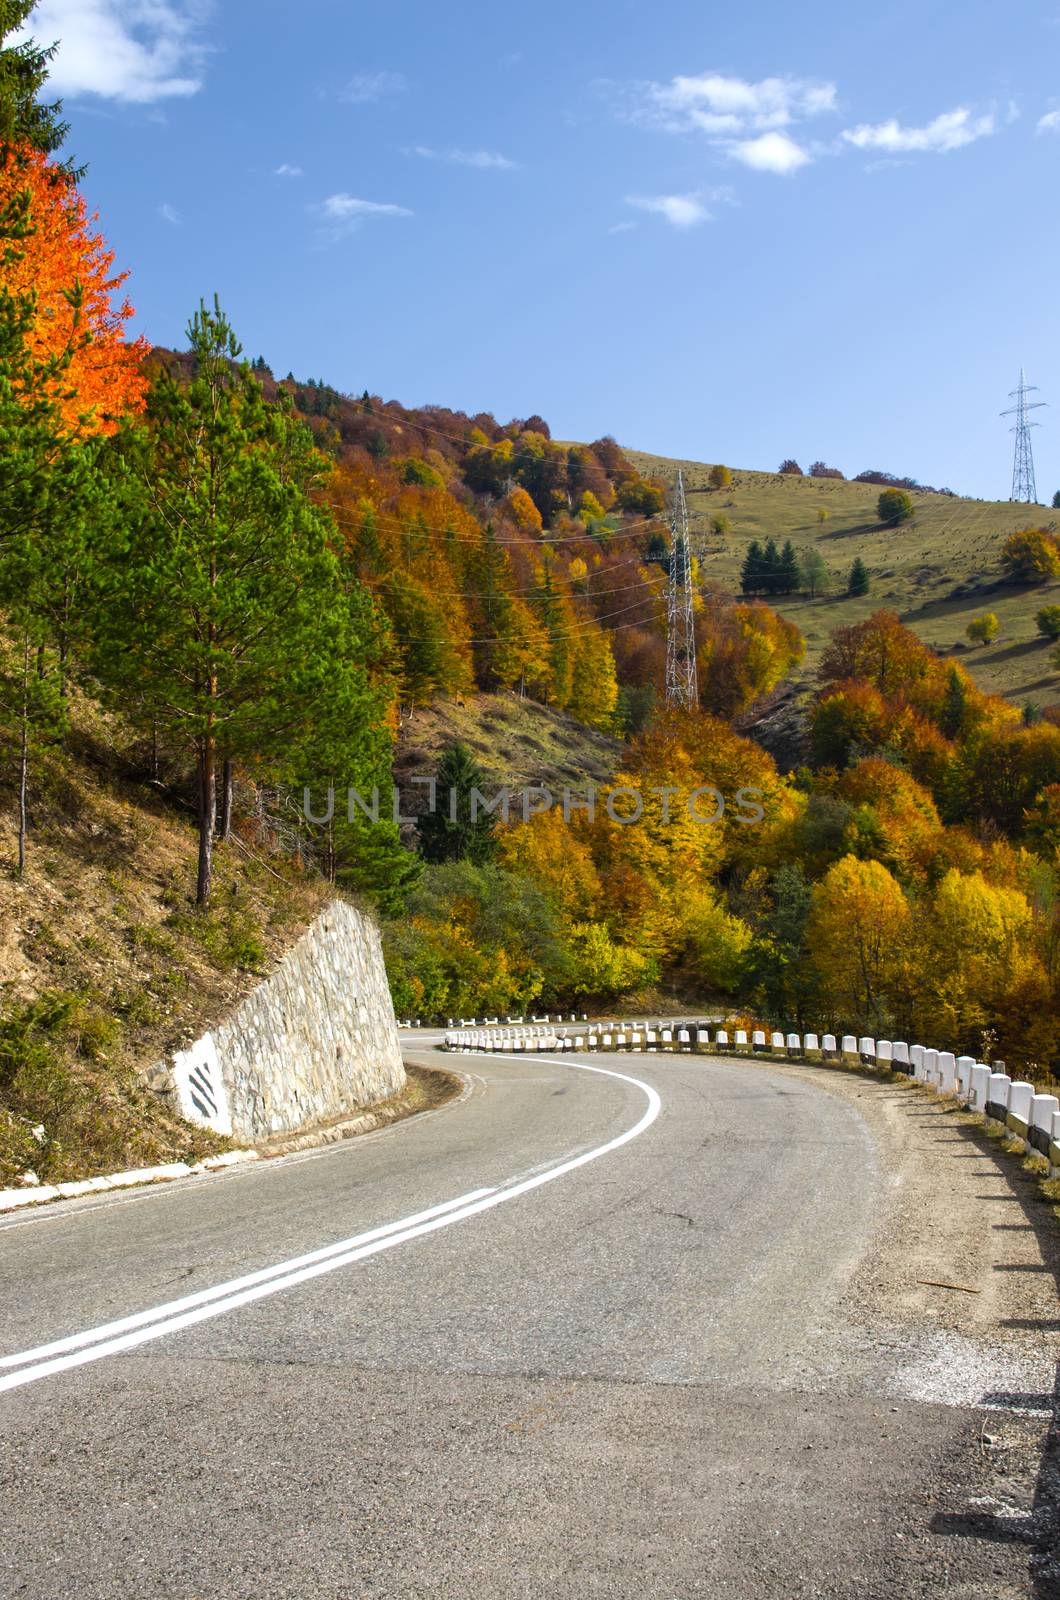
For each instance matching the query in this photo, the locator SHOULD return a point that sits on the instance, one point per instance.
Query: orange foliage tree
(523, 511)
(745, 650)
(67, 266)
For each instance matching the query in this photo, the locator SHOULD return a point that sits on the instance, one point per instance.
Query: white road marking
(220, 1291)
(128, 1332)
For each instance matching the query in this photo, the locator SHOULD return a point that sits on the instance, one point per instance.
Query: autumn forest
(246, 585)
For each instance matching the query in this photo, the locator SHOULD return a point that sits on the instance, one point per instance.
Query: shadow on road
(1040, 1529)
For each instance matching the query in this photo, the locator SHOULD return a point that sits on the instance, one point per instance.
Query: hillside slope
(515, 742)
(938, 571)
(104, 964)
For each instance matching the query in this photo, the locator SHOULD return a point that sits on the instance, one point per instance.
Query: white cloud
(130, 50)
(771, 152)
(949, 131)
(680, 210)
(170, 214)
(623, 227)
(486, 160)
(343, 213)
(717, 105)
(286, 170)
(341, 207)
(364, 87)
(744, 120)
(1050, 123)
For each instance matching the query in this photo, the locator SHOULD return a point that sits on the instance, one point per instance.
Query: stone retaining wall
(316, 1040)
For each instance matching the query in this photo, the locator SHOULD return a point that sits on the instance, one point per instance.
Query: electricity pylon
(682, 686)
(1023, 460)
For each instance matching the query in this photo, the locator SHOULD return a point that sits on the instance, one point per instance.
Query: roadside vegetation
(222, 591)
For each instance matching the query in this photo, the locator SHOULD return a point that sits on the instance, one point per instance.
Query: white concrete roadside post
(980, 1085)
(1020, 1099)
(1044, 1107)
(997, 1093)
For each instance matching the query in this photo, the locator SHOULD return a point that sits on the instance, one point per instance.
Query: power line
(1023, 487)
(682, 684)
(630, 531)
(527, 594)
(577, 627)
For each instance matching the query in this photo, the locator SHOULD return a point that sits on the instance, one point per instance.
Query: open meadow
(937, 571)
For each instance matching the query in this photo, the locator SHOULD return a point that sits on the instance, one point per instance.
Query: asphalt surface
(630, 1377)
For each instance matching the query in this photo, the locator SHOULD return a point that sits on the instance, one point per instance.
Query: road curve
(579, 1334)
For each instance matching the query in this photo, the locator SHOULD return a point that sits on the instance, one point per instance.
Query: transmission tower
(682, 687)
(1023, 460)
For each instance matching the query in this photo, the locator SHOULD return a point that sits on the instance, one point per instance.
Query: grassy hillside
(938, 571)
(515, 742)
(104, 964)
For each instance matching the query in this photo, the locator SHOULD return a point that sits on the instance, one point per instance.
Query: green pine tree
(488, 571)
(751, 571)
(858, 582)
(771, 568)
(224, 607)
(449, 832)
(788, 574)
(658, 550)
(23, 73)
(561, 653)
(430, 664)
(780, 971)
(954, 706)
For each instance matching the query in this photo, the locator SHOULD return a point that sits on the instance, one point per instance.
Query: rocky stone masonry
(317, 1039)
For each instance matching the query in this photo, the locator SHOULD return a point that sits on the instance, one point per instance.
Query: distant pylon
(1023, 459)
(682, 686)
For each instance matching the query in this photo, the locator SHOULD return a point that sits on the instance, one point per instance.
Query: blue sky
(725, 233)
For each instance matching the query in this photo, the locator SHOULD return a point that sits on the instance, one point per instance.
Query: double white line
(112, 1338)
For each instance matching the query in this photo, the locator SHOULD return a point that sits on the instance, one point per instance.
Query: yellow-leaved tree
(857, 933)
(975, 967)
(593, 686)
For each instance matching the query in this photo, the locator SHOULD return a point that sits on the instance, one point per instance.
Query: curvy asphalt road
(575, 1335)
